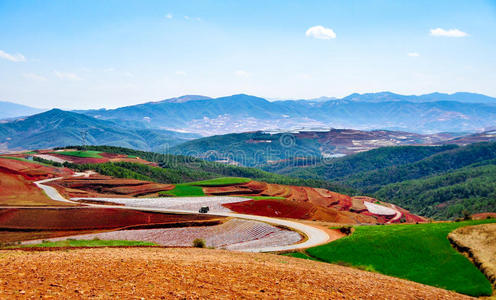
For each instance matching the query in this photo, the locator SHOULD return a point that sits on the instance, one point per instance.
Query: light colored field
(235, 234)
(379, 209)
(480, 241)
(150, 273)
(179, 203)
(52, 158)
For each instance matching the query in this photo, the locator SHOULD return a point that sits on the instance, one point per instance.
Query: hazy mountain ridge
(13, 110)
(429, 113)
(56, 128)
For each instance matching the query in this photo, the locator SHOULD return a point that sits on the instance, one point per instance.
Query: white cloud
(188, 18)
(321, 33)
(413, 54)
(448, 33)
(181, 73)
(169, 16)
(241, 73)
(34, 76)
(12, 57)
(66, 75)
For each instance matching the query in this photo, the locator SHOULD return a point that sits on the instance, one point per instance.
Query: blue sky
(92, 54)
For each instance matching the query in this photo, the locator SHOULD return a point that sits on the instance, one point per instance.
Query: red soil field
(31, 171)
(304, 203)
(105, 186)
(17, 187)
(86, 218)
(15, 190)
(296, 210)
(483, 216)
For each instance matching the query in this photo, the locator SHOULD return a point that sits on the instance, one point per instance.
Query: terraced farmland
(235, 234)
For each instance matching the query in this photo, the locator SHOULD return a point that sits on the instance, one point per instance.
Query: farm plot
(215, 204)
(235, 234)
(86, 218)
(15, 190)
(98, 185)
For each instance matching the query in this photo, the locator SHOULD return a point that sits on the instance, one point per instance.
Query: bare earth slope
(480, 243)
(149, 273)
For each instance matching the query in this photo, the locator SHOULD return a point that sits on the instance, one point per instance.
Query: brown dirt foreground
(134, 273)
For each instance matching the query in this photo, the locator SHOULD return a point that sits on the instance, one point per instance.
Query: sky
(95, 54)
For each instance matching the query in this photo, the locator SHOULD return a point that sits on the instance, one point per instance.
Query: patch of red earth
(295, 210)
(483, 216)
(32, 171)
(305, 203)
(105, 186)
(90, 218)
(15, 190)
(105, 157)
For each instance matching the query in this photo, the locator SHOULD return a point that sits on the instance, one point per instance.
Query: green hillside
(58, 128)
(439, 182)
(420, 253)
(184, 169)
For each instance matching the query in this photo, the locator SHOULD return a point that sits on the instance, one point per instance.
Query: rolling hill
(56, 128)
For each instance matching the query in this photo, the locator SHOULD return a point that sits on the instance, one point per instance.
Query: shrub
(199, 243)
(346, 230)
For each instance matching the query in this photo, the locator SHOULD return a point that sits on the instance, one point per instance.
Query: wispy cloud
(12, 57)
(34, 76)
(413, 54)
(241, 73)
(169, 16)
(448, 32)
(66, 75)
(321, 33)
(188, 18)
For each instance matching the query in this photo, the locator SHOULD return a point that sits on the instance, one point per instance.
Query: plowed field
(149, 273)
(85, 218)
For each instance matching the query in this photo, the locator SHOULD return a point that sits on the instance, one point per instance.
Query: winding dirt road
(314, 236)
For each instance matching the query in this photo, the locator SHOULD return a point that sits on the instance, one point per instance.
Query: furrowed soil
(133, 273)
(91, 218)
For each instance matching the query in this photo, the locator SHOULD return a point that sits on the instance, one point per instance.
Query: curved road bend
(315, 236)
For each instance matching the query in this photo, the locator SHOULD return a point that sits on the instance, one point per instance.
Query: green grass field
(88, 243)
(84, 154)
(420, 253)
(220, 181)
(184, 190)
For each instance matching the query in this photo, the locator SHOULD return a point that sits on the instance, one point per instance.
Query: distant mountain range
(433, 97)
(150, 126)
(56, 128)
(300, 148)
(13, 110)
(459, 112)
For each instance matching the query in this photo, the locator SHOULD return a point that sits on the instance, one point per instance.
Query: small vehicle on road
(204, 209)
